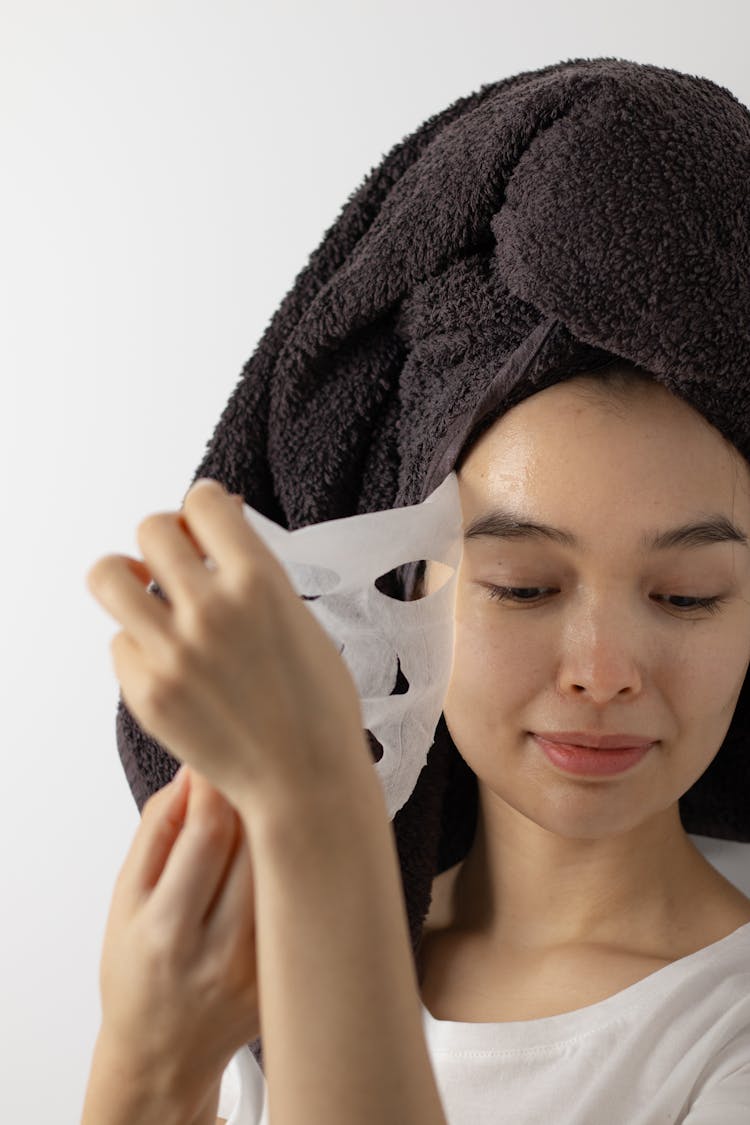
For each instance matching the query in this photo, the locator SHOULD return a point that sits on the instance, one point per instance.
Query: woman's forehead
(560, 459)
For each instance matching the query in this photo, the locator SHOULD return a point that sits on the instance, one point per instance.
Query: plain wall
(167, 169)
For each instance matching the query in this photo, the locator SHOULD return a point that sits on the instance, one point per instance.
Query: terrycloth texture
(540, 226)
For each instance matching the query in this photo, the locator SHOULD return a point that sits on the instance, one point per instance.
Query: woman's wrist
(124, 1089)
(285, 805)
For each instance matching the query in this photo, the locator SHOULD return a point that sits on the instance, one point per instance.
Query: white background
(167, 169)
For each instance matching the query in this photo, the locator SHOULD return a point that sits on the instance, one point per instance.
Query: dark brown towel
(545, 224)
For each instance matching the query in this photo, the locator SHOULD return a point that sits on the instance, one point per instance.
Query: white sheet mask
(337, 562)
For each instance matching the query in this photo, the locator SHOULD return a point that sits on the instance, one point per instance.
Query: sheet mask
(336, 563)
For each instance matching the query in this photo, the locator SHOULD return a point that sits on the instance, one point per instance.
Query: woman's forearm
(339, 999)
(210, 1111)
(119, 1094)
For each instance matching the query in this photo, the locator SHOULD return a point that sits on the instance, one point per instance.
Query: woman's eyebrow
(502, 523)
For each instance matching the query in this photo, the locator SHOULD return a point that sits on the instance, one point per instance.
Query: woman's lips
(597, 741)
(585, 761)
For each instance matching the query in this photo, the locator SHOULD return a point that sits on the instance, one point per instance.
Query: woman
(579, 882)
(576, 957)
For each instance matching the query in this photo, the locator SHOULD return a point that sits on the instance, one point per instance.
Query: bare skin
(574, 888)
(465, 977)
(238, 680)
(178, 973)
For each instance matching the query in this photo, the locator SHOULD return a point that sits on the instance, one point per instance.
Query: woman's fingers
(211, 525)
(117, 583)
(218, 526)
(234, 907)
(198, 860)
(161, 822)
(173, 554)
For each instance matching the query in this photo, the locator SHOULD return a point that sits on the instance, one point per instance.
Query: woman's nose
(601, 653)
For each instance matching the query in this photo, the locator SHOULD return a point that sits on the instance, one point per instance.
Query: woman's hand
(178, 974)
(233, 674)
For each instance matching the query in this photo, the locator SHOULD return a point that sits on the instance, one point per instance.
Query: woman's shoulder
(718, 909)
(460, 978)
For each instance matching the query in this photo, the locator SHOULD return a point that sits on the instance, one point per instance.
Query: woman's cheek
(705, 682)
(491, 649)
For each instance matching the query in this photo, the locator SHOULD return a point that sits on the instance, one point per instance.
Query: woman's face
(601, 641)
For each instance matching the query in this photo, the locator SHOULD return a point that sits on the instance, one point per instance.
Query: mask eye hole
(391, 583)
(388, 584)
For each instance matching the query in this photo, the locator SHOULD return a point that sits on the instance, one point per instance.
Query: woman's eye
(711, 604)
(512, 593)
(529, 594)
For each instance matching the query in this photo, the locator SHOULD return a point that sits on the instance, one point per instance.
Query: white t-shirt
(672, 1049)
